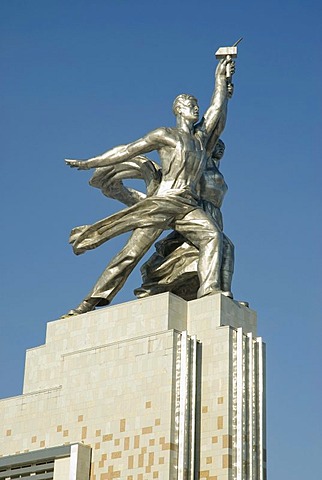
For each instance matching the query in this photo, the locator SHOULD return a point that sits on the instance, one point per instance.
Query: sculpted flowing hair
(179, 100)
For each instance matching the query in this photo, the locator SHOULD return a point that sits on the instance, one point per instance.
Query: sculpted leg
(206, 236)
(227, 268)
(210, 256)
(118, 270)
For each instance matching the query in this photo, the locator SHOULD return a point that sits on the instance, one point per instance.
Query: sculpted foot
(206, 293)
(243, 303)
(84, 307)
(143, 292)
(228, 294)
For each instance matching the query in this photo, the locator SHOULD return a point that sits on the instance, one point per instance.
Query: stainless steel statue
(173, 194)
(174, 265)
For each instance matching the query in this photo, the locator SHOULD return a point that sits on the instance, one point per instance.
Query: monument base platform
(153, 388)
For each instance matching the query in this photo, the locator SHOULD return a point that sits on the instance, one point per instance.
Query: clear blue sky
(79, 77)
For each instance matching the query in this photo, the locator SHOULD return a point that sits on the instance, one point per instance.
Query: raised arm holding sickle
(183, 154)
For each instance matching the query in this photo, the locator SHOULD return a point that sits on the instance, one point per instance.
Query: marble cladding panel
(238, 316)
(214, 319)
(117, 398)
(215, 417)
(108, 379)
(139, 317)
(217, 310)
(105, 326)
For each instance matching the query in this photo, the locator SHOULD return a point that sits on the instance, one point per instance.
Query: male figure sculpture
(183, 154)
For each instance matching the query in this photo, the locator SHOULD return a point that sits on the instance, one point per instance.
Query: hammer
(223, 52)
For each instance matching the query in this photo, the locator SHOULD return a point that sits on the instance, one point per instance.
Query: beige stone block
(62, 468)
(109, 381)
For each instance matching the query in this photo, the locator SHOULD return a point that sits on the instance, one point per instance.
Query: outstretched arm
(215, 117)
(152, 141)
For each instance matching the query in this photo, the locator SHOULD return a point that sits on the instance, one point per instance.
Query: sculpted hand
(80, 165)
(225, 65)
(230, 90)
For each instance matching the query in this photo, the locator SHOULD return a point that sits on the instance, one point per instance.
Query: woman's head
(219, 150)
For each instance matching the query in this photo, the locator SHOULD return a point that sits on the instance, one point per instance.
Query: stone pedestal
(157, 388)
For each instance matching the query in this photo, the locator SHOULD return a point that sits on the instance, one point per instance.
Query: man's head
(186, 106)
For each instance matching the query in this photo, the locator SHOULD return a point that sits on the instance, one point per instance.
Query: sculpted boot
(84, 307)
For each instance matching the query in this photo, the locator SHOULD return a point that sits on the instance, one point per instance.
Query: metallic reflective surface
(248, 406)
(185, 410)
(173, 199)
(173, 267)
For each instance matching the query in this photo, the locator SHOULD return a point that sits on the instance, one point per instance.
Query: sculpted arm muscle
(152, 141)
(215, 116)
(217, 131)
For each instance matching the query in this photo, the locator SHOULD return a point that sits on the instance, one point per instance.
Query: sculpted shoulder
(164, 136)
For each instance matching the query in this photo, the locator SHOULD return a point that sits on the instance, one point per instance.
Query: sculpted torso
(183, 161)
(213, 187)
